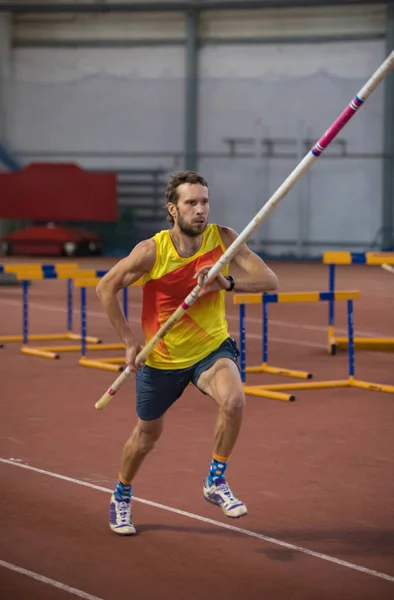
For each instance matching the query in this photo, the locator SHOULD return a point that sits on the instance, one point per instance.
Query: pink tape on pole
(111, 392)
(184, 305)
(336, 127)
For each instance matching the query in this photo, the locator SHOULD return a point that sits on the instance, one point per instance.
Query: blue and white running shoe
(120, 516)
(220, 494)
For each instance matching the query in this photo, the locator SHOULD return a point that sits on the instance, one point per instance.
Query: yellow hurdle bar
(37, 274)
(361, 343)
(358, 258)
(116, 346)
(93, 282)
(313, 385)
(264, 368)
(36, 337)
(95, 364)
(49, 337)
(89, 339)
(261, 392)
(71, 348)
(294, 297)
(39, 352)
(374, 387)
(116, 360)
(14, 268)
(319, 385)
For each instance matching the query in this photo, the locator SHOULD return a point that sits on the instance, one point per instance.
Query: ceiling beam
(165, 6)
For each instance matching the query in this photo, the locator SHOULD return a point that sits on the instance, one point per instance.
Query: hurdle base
(274, 390)
(36, 337)
(71, 348)
(262, 392)
(91, 347)
(361, 343)
(117, 346)
(99, 364)
(373, 387)
(76, 337)
(39, 352)
(265, 368)
(48, 337)
(116, 360)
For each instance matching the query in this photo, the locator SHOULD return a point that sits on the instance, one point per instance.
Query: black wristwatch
(231, 279)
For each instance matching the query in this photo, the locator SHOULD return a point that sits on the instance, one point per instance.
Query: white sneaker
(120, 516)
(220, 494)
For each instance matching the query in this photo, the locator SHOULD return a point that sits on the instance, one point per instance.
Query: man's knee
(233, 405)
(148, 432)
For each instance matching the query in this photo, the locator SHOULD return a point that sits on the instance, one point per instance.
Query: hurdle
(264, 367)
(33, 272)
(53, 352)
(277, 391)
(116, 364)
(37, 271)
(354, 258)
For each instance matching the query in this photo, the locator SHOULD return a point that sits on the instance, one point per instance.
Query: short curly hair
(177, 179)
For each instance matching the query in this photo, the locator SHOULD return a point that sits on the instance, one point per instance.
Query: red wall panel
(58, 192)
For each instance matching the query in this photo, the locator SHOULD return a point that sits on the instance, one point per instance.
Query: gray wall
(294, 91)
(97, 100)
(124, 106)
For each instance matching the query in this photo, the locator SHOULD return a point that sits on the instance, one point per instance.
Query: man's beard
(190, 229)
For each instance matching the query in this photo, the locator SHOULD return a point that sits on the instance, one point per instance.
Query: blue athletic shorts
(158, 389)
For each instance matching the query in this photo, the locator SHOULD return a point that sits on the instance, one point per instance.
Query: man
(198, 348)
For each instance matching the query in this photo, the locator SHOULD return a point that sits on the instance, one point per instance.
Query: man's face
(191, 212)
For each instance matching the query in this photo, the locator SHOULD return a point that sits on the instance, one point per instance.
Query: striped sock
(217, 468)
(123, 489)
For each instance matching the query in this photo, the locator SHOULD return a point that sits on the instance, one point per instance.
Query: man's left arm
(250, 272)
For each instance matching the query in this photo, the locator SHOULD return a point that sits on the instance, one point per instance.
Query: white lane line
(51, 582)
(259, 536)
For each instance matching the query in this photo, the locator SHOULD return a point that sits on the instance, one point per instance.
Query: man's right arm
(127, 271)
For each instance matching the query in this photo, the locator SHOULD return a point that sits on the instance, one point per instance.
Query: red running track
(316, 474)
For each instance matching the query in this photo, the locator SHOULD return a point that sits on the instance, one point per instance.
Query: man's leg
(156, 391)
(223, 383)
(140, 443)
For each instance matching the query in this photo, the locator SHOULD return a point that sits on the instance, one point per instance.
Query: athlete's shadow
(366, 542)
(207, 530)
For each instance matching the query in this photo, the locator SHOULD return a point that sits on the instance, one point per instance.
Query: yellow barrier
(277, 391)
(83, 282)
(35, 272)
(264, 367)
(382, 259)
(17, 267)
(358, 258)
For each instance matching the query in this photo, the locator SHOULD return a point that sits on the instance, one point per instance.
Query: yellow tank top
(203, 327)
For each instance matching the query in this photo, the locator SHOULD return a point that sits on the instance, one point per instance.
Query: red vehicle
(51, 240)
